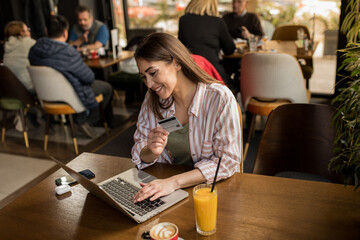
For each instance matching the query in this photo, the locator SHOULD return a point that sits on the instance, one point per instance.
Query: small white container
(62, 189)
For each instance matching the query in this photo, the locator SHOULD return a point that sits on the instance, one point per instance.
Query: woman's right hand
(157, 140)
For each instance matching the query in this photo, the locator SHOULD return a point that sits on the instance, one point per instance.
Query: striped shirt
(214, 131)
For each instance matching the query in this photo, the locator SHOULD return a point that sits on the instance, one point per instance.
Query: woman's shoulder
(228, 16)
(12, 42)
(201, 17)
(213, 19)
(19, 45)
(29, 41)
(218, 90)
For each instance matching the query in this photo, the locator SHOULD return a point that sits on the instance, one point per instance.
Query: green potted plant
(347, 119)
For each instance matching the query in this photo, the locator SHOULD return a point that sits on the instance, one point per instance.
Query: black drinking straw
(217, 170)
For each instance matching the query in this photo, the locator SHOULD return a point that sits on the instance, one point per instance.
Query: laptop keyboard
(123, 192)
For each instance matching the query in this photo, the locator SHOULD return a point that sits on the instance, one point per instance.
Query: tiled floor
(17, 171)
(59, 134)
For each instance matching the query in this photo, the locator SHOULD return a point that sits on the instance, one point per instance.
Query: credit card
(170, 124)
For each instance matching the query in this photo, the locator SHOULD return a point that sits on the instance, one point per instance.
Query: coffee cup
(164, 231)
(93, 54)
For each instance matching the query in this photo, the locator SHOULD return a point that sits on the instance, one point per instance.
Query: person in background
(204, 33)
(88, 33)
(53, 51)
(242, 23)
(16, 51)
(206, 109)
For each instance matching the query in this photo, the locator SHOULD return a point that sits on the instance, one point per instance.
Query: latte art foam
(163, 231)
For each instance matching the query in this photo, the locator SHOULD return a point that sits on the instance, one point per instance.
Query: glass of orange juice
(264, 39)
(205, 204)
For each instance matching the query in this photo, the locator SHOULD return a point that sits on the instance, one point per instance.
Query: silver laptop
(119, 191)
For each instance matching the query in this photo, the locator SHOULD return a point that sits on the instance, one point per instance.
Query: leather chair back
(298, 138)
(273, 76)
(289, 32)
(11, 87)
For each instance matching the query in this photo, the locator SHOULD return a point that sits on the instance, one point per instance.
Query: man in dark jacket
(241, 24)
(53, 51)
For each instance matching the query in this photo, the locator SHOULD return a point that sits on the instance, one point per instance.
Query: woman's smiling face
(159, 76)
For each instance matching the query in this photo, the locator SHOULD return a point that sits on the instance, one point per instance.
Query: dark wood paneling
(67, 9)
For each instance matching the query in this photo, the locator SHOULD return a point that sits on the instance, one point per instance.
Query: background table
(278, 46)
(249, 207)
(105, 64)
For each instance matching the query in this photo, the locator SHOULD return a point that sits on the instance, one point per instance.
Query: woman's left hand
(155, 189)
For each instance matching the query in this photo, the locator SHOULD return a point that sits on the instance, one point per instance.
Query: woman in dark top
(204, 33)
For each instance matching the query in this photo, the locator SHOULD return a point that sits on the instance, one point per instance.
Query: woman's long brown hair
(164, 47)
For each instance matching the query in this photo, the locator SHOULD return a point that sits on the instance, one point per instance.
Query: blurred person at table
(88, 33)
(16, 51)
(204, 33)
(53, 51)
(207, 109)
(241, 23)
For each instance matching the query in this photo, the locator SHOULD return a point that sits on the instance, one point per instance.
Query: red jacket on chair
(207, 67)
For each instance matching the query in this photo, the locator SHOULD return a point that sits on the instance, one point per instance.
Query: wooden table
(249, 207)
(277, 46)
(106, 63)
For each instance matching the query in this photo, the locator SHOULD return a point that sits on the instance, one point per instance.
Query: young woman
(206, 109)
(17, 49)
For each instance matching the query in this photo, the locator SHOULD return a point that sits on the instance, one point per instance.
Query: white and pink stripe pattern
(214, 131)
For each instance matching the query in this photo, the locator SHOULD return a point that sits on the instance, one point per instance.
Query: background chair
(58, 97)
(13, 97)
(132, 83)
(289, 33)
(241, 140)
(269, 80)
(128, 78)
(298, 142)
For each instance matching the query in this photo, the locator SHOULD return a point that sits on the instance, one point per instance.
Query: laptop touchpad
(144, 177)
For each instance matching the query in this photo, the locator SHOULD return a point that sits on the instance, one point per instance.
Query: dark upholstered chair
(297, 142)
(13, 97)
(289, 33)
